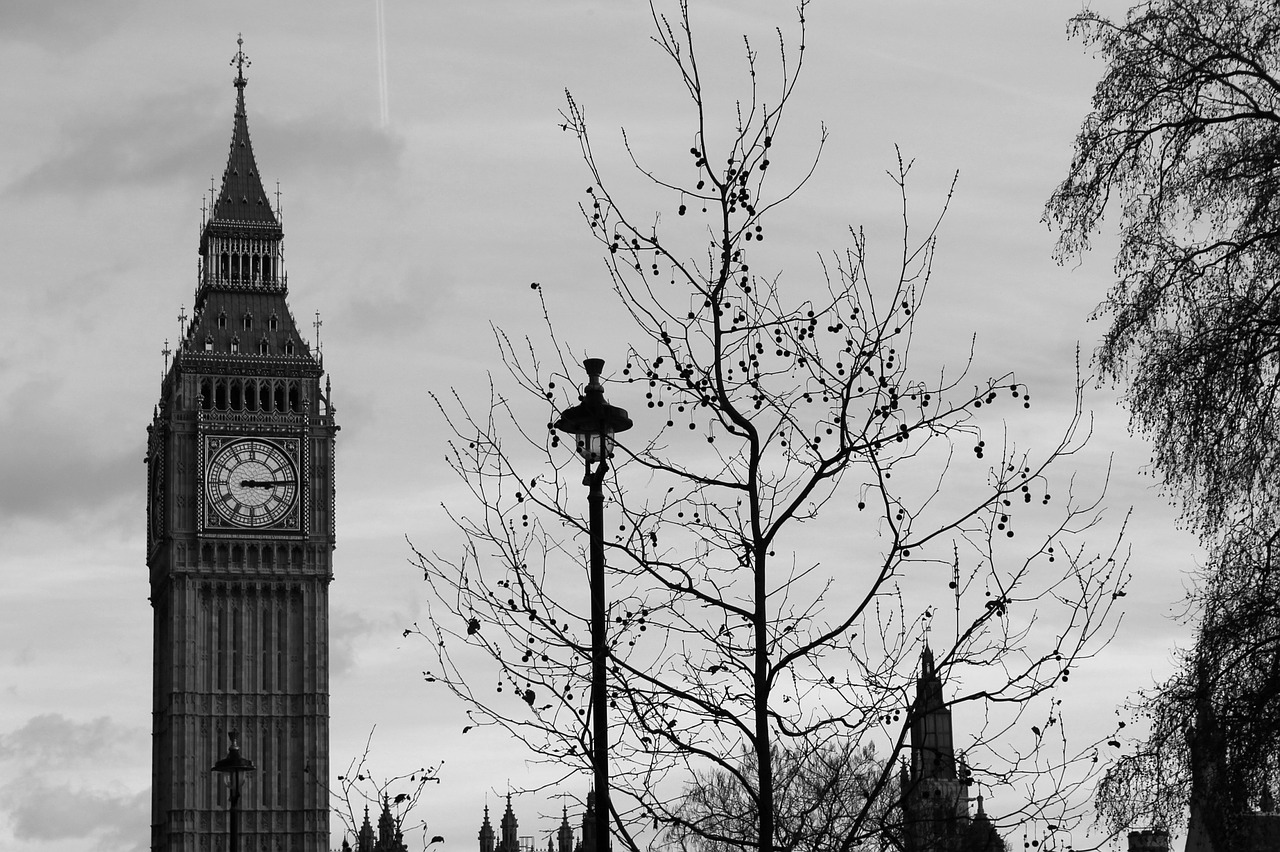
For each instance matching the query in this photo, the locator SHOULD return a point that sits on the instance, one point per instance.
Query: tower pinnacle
(241, 61)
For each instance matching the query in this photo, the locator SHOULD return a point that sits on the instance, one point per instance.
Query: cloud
(64, 25)
(146, 142)
(53, 739)
(329, 145)
(156, 140)
(41, 804)
(39, 811)
(52, 470)
(346, 630)
(382, 315)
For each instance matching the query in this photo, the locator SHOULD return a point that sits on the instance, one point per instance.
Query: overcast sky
(412, 222)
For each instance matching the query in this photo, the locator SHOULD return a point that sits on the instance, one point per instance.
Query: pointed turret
(510, 837)
(365, 839)
(386, 826)
(242, 198)
(935, 811)
(982, 835)
(564, 836)
(932, 748)
(486, 833)
(589, 823)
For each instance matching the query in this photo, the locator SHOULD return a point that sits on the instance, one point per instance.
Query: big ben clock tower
(239, 543)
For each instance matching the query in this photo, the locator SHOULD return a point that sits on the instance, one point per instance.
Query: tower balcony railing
(243, 282)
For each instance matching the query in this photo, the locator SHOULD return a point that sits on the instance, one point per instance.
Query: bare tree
(768, 404)
(1181, 146)
(360, 789)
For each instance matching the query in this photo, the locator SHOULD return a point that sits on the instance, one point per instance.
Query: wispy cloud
(51, 795)
(62, 26)
(145, 142)
(59, 472)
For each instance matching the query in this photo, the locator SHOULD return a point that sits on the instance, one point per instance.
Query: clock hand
(266, 483)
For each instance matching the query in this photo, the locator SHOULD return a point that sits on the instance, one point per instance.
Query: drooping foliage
(1182, 151)
(1182, 148)
(1211, 733)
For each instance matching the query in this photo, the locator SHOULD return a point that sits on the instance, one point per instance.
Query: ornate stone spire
(486, 833)
(510, 836)
(386, 825)
(365, 839)
(589, 823)
(242, 197)
(564, 837)
(932, 747)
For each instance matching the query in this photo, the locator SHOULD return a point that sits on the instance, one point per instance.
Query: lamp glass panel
(590, 444)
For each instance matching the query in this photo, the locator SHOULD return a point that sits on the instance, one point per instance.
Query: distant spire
(589, 823)
(564, 836)
(932, 749)
(486, 832)
(510, 834)
(365, 839)
(386, 824)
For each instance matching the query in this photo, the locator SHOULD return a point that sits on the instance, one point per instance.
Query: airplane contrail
(384, 109)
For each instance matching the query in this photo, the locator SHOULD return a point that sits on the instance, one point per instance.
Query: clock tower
(240, 536)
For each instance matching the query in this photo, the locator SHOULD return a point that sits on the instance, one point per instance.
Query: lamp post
(593, 423)
(234, 766)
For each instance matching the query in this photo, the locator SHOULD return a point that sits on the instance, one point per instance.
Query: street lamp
(593, 423)
(234, 765)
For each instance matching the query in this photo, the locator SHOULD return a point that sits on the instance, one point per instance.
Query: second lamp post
(234, 765)
(593, 423)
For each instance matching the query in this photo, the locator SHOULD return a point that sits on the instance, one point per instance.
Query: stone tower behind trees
(935, 804)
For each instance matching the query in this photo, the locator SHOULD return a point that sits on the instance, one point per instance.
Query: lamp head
(234, 763)
(593, 422)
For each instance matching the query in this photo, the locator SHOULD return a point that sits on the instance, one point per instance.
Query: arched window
(220, 396)
(273, 323)
(264, 397)
(279, 397)
(237, 397)
(222, 319)
(237, 644)
(266, 652)
(206, 394)
(225, 266)
(246, 322)
(293, 399)
(235, 343)
(220, 650)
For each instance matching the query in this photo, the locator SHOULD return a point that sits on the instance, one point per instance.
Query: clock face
(251, 482)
